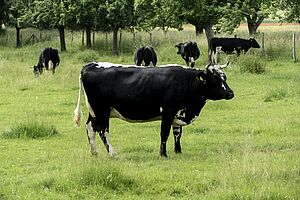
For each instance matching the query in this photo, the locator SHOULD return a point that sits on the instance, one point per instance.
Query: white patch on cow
(223, 86)
(92, 136)
(115, 114)
(181, 114)
(104, 65)
(109, 65)
(179, 122)
(192, 60)
(176, 132)
(3, 26)
(50, 65)
(90, 109)
(174, 65)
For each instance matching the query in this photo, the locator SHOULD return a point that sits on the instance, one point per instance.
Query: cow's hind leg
(102, 122)
(177, 131)
(91, 134)
(104, 137)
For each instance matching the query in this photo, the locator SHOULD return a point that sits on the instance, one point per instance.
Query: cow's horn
(225, 65)
(206, 67)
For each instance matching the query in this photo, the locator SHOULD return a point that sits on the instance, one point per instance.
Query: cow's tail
(50, 65)
(77, 111)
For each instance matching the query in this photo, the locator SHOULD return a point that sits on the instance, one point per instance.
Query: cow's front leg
(177, 131)
(166, 122)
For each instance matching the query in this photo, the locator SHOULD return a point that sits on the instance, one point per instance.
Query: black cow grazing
(228, 45)
(170, 93)
(49, 59)
(189, 51)
(145, 56)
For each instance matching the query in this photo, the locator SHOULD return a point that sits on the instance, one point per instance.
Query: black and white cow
(189, 51)
(229, 45)
(171, 93)
(145, 56)
(49, 59)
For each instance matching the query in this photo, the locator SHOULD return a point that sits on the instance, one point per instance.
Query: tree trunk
(61, 30)
(253, 23)
(209, 34)
(120, 40)
(18, 36)
(199, 29)
(82, 38)
(115, 42)
(88, 38)
(252, 28)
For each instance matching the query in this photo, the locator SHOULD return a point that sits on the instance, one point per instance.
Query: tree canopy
(116, 15)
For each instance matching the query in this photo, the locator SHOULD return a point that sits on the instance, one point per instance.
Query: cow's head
(179, 46)
(214, 80)
(36, 70)
(254, 43)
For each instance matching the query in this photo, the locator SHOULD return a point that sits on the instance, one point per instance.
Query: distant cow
(144, 56)
(170, 93)
(49, 59)
(189, 51)
(228, 45)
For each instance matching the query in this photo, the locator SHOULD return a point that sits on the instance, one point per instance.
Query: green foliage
(31, 130)
(291, 10)
(87, 56)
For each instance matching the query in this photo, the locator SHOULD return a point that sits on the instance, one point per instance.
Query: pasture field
(244, 148)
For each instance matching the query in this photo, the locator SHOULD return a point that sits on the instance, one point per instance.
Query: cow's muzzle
(229, 95)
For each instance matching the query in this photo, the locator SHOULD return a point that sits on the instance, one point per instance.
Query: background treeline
(208, 16)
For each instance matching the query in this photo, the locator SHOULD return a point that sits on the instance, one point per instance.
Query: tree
(120, 15)
(203, 14)
(152, 14)
(86, 14)
(291, 10)
(16, 9)
(49, 14)
(254, 11)
(3, 11)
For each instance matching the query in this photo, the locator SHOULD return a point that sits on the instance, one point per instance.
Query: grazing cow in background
(145, 56)
(228, 45)
(49, 59)
(189, 51)
(171, 93)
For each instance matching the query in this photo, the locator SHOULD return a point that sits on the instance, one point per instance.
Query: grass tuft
(31, 130)
(277, 94)
(252, 64)
(108, 177)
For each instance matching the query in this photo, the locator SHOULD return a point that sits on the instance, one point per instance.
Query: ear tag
(199, 78)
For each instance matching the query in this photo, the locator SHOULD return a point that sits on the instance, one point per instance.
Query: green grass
(244, 148)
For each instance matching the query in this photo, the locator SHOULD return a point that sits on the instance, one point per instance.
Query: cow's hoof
(177, 151)
(113, 154)
(94, 153)
(163, 155)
